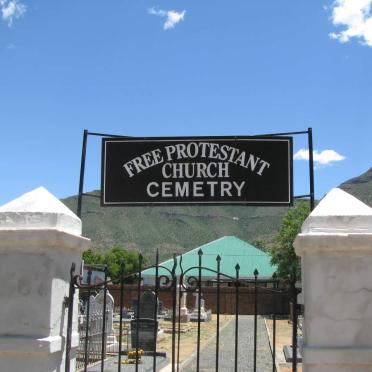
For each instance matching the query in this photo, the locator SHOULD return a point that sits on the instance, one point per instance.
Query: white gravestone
(110, 333)
(204, 315)
(183, 311)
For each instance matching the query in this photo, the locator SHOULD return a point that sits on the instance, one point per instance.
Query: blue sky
(136, 68)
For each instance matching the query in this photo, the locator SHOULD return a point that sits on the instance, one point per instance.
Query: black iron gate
(135, 338)
(93, 346)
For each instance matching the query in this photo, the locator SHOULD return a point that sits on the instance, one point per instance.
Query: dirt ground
(188, 336)
(283, 337)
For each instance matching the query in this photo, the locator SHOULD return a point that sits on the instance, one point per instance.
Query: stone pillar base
(36, 355)
(335, 246)
(340, 359)
(40, 238)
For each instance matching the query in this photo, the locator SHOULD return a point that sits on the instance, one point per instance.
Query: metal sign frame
(308, 132)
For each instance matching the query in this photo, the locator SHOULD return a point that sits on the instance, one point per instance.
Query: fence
(140, 311)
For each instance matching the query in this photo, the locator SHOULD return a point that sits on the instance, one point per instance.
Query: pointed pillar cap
(38, 209)
(339, 212)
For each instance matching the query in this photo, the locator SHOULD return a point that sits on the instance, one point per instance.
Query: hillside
(178, 229)
(173, 229)
(360, 187)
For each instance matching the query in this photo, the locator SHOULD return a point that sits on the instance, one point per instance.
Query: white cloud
(356, 18)
(11, 9)
(323, 158)
(172, 17)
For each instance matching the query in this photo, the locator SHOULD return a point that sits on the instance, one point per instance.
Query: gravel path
(146, 365)
(227, 352)
(245, 349)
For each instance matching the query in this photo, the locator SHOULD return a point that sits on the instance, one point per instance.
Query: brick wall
(268, 302)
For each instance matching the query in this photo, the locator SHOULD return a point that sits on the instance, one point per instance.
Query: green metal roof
(232, 251)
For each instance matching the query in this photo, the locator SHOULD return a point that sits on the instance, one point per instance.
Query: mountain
(360, 187)
(173, 229)
(179, 229)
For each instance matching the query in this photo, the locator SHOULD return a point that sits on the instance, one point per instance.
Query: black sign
(213, 171)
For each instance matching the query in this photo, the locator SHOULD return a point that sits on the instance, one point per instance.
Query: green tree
(260, 244)
(113, 258)
(91, 257)
(282, 253)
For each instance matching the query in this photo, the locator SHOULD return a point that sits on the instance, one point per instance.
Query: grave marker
(147, 323)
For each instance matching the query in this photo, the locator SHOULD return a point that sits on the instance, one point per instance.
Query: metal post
(180, 294)
(138, 306)
(255, 322)
(218, 259)
(274, 341)
(82, 171)
(311, 168)
(156, 307)
(275, 292)
(71, 294)
(87, 322)
(122, 268)
(237, 268)
(174, 296)
(200, 254)
(103, 340)
(294, 324)
(181, 278)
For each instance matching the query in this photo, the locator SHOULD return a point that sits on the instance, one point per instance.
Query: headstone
(183, 312)
(144, 329)
(110, 333)
(288, 354)
(147, 305)
(205, 316)
(93, 306)
(196, 304)
(95, 316)
(147, 332)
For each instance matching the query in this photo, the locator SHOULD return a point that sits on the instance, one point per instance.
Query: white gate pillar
(336, 257)
(39, 240)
